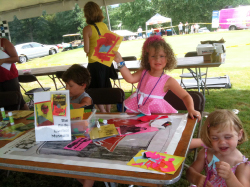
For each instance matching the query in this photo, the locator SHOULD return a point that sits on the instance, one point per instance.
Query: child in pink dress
(157, 56)
(224, 164)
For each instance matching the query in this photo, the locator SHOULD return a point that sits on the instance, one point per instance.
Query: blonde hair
(221, 119)
(92, 13)
(157, 42)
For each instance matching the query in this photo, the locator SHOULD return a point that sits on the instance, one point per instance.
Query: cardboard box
(205, 49)
(215, 58)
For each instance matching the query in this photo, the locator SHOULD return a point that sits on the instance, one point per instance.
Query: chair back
(105, 96)
(129, 58)
(10, 100)
(177, 103)
(191, 53)
(27, 78)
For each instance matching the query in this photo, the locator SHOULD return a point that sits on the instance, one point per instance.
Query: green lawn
(237, 66)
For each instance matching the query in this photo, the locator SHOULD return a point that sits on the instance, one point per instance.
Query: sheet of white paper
(3, 55)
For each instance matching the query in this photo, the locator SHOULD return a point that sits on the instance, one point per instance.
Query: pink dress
(149, 96)
(219, 181)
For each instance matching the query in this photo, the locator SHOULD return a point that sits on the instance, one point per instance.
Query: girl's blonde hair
(221, 119)
(92, 13)
(157, 42)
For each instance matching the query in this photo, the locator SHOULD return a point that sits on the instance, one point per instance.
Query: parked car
(30, 50)
(203, 30)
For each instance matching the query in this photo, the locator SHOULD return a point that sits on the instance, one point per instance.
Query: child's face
(157, 60)
(224, 141)
(75, 89)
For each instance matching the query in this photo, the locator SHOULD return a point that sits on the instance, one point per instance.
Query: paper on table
(3, 55)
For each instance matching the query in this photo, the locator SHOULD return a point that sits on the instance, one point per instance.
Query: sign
(51, 125)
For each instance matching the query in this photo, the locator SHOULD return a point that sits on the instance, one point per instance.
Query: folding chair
(59, 77)
(127, 58)
(197, 74)
(105, 96)
(177, 103)
(27, 78)
(10, 100)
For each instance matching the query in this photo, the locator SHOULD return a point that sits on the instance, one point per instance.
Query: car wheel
(22, 59)
(52, 51)
(232, 28)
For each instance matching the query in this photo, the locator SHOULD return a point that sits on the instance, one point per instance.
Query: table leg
(53, 77)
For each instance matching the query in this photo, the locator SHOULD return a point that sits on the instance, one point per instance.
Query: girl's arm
(10, 50)
(130, 78)
(194, 171)
(87, 33)
(239, 179)
(175, 87)
(84, 102)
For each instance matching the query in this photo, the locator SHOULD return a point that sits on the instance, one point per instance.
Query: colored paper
(161, 123)
(44, 115)
(213, 161)
(105, 45)
(17, 114)
(76, 114)
(78, 144)
(135, 129)
(156, 161)
(30, 118)
(26, 127)
(10, 133)
(103, 131)
(58, 102)
(110, 143)
(3, 124)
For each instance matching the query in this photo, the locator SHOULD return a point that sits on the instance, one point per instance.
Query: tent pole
(107, 12)
(146, 31)
(171, 27)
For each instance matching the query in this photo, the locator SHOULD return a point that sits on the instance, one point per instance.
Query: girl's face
(224, 141)
(157, 60)
(75, 90)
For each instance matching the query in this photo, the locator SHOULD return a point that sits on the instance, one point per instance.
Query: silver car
(30, 50)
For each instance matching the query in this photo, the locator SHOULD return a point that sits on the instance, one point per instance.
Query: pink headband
(151, 39)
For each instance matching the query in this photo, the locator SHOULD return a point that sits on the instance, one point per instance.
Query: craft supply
(11, 118)
(98, 124)
(3, 112)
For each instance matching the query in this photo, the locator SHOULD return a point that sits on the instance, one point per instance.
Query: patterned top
(146, 103)
(219, 181)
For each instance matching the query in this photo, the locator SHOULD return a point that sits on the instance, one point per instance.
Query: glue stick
(3, 112)
(11, 118)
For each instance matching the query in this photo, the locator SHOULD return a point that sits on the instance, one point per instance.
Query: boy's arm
(130, 78)
(194, 171)
(84, 102)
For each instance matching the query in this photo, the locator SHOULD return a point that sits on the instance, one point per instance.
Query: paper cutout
(110, 143)
(10, 133)
(103, 52)
(163, 162)
(78, 144)
(58, 103)
(3, 124)
(125, 130)
(26, 127)
(103, 131)
(161, 123)
(44, 115)
(213, 161)
(76, 114)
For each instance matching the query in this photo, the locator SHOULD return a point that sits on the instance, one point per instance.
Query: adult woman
(100, 73)
(9, 78)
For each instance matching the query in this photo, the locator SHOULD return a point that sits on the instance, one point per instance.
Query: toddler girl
(223, 162)
(157, 56)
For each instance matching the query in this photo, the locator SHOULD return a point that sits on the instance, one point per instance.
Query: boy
(77, 79)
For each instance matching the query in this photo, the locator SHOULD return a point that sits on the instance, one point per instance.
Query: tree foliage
(49, 29)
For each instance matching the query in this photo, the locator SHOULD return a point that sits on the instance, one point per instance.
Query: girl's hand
(118, 57)
(195, 114)
(201, 181)
(224, 170)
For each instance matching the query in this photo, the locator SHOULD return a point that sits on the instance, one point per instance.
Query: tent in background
(156, 19)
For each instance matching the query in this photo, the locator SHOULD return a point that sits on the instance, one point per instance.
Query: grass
(237, 67)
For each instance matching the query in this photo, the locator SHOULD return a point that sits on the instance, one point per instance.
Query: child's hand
(223, 170)
(118, 57)
(194, 114)
(201, 181)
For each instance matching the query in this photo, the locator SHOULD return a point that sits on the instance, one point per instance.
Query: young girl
(77, 79)
(156, 57)
(221, 133)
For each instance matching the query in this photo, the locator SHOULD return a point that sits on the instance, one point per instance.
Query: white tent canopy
(125, 33)
(33, 8)
(156, 19)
